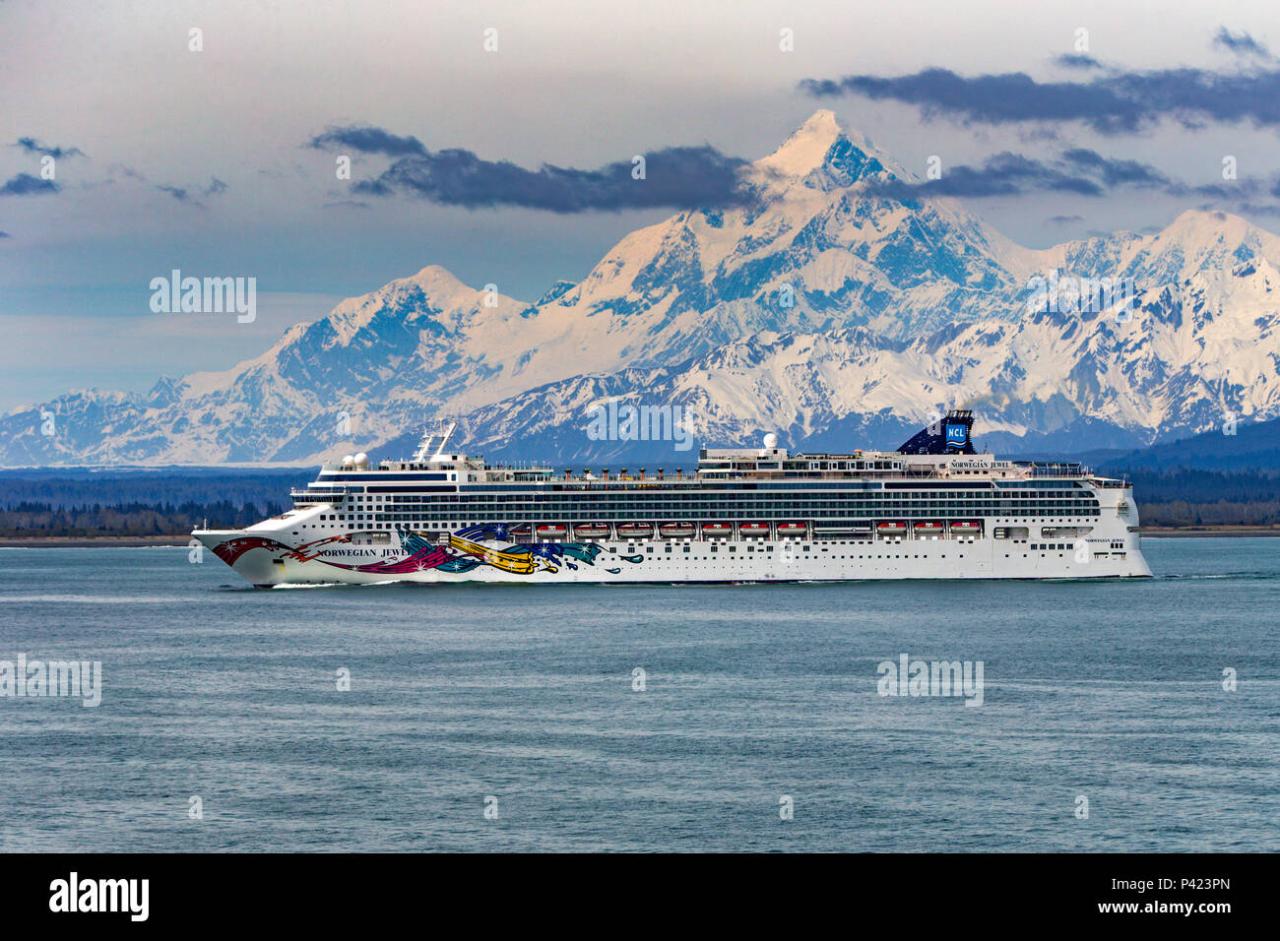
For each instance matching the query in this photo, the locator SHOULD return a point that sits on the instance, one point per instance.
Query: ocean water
(756, 698)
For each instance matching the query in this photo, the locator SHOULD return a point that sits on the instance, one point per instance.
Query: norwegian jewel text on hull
(935, 508)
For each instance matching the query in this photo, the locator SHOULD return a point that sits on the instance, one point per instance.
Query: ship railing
(1056, 469)
(320, 496)
(1112, 483)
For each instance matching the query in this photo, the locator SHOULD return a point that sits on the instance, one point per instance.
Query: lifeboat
(676, 530)
(717, 530)
(591, 530)
(792, 529)
(891, 527)
(551, 530)
(635, 530)
(928, 526)
(754, 529)
(520, 533)
(966, 526)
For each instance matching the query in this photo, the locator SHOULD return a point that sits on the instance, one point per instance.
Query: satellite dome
(362, 460)
(770, 441)
(348, 460)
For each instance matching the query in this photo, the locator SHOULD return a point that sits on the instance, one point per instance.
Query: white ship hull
(927, 511)
(671, 561)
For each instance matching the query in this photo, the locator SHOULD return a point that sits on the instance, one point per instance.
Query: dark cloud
(1005, 174)
(1112, 103)
(1065, 220)
(674, 177)
(1259, 209)
(1114, 172)
(33, 146)
(189, 195)
(1078, 170)
(1077, 60)
(368, 140)
(1240, 43)
(24, 184)
(180, 193)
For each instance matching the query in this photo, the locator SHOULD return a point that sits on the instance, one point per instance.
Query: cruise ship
(933, 509)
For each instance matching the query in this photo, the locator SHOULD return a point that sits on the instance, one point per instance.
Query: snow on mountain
(835, 316)
(810, 252)
(355, 377)
(1068, 381)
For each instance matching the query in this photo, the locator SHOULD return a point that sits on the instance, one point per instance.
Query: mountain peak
(1201, 230)
(805, 150)
(822, 140)
(822, 121)
(437, 278)
(1208, 221)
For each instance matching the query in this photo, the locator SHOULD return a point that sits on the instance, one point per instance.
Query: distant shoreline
(1176, 531)
(86, 542)
(181, 540)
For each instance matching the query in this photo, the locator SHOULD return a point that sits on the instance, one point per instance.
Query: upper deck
(718, 464)
(716, 469)
(943, 451)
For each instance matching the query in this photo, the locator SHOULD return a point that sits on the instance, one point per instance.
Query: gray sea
(736, 718)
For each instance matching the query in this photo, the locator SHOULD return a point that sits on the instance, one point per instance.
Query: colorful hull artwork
(463, 553)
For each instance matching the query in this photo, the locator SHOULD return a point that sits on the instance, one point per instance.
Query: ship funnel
(950, 435)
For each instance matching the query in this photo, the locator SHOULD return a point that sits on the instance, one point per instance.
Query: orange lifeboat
(754, 530)
(676, 530)
(717, 530)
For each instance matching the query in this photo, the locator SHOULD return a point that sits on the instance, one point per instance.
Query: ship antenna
(424, 446)
(443, 441)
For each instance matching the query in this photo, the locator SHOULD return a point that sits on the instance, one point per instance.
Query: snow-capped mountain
(361, 374)
(1189, 354)
(834, 316)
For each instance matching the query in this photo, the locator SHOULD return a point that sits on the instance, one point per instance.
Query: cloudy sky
(505, 165)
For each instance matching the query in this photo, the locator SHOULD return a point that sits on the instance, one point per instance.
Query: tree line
(127, 519)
